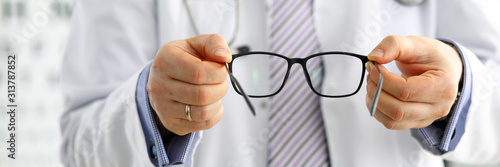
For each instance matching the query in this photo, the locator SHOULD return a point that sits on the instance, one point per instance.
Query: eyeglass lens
(344, 74)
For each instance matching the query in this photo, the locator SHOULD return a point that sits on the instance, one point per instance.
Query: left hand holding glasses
(427, 88)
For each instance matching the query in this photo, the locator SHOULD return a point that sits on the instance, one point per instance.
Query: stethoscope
(237, 18)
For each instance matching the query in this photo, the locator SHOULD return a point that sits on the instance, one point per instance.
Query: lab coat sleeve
(475, 25)
(110, 42)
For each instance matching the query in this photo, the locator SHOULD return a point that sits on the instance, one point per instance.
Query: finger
(421, 88)
(213, 47)
(394, 125)
(401, 125)
(197, 113)
(401, 111)
(193, 94)
(182, 65)
(205, 113)
(182, 127)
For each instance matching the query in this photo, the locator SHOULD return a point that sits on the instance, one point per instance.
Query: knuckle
(167, 47)
(182, 133)
(204, 113)
(193, 127)
(169, 124)
(450, 92)
(170, 51)
(154, 88)
(225, 84)
(393, 39)
(426, 124)
(389, 125)
(210, 123)
(367, 102)
(415, 38)
(215, 37)
(404, 95)
(397, 114)
(157, 65)
(198, 74)
(392, 125)
(369, 89)
(203, 95)
(158, 106)
(198, 126)
(442, 113)
(153, 105)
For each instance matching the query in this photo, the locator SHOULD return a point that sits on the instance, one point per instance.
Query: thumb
(407, 50)
(414, 55)
(212, 47)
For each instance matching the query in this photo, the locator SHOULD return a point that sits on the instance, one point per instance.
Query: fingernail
(376, 53)
(368, 67)
(221, 53)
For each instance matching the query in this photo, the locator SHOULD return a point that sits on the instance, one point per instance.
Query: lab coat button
(263, 104)
(153, 151)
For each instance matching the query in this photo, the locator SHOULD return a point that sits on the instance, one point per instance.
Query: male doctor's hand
(189, 72)
(427, 88)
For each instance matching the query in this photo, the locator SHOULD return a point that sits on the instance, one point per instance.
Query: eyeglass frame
(303, 62)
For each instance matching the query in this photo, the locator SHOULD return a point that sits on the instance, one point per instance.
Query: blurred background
(39, 29)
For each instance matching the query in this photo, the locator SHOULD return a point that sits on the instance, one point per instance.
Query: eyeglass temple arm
(245, 96)
(373, 107)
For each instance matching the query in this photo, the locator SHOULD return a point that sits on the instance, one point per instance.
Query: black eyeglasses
(264, 74)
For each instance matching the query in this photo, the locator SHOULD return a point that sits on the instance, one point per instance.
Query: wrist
(458, 62)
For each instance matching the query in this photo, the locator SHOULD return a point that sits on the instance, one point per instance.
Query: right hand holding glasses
(188, 80)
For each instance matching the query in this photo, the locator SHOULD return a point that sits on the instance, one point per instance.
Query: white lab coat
(111, 41)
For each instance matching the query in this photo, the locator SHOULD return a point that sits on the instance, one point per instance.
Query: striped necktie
(297, 131)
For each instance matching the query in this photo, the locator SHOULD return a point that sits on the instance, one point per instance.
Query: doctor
(143, 88)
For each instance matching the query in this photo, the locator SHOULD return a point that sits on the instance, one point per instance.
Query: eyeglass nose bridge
(291, 62)
(302, 62)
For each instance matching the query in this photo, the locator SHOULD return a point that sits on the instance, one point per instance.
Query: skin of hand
(426, 89)
(189, 72)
